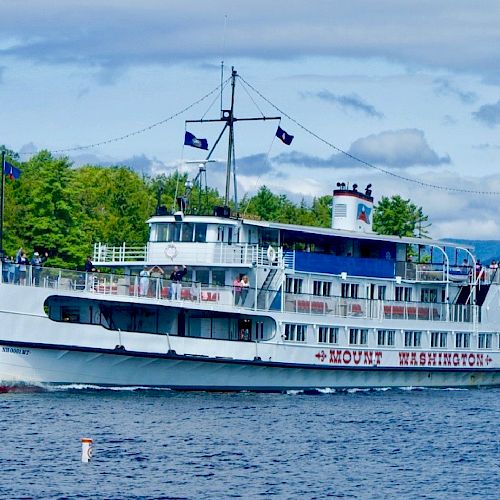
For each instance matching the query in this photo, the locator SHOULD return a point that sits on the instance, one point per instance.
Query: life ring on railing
(271, 254)
(171, 252)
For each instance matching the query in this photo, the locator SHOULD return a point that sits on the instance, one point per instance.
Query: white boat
(338, 307)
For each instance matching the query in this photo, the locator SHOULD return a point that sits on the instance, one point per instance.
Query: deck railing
(213, 296)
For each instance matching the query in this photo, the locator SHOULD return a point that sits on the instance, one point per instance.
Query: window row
(353, 291)
(412, 338)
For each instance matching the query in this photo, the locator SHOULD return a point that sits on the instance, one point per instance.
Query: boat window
(484, 341)
(349, 290)
(358, 336)
(462, 340)
(293, 285)
(386, 337)
(438, 339)
(322, 288)
(295, 333)
(161, 232)
(200, 233)
(381, 292)
(70, 314)
(428, 295)
(202, 276)
(402, 294)
(187, 231)
(220, 233)
(413, 339)
(218, 277)
(259, 330)
(328, 335)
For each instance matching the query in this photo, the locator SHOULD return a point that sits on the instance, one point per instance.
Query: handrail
(212, 296)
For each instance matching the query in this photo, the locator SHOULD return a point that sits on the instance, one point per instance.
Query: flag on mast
(191, 140)
(283, 136)
(10, 171)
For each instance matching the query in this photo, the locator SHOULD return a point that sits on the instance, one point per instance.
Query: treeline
(56, 208)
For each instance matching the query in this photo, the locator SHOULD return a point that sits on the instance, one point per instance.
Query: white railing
(123, 253)
(189, 253)
(159, 289)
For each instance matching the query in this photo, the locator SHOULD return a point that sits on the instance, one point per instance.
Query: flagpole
(1, 202)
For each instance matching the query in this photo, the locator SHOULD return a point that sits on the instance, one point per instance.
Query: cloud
(443, 86)
(346, 102)
(397, 148)
(253, 165)
(99, 33)
(488, 114)
(392, 148)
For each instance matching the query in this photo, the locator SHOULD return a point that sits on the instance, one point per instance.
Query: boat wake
(33, 388)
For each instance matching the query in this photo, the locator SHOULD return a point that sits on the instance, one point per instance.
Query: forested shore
(55, 208)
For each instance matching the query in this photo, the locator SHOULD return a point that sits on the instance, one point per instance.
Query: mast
(2, 205)
(227, 116)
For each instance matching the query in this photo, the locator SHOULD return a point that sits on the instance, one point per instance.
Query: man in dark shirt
(176, 278)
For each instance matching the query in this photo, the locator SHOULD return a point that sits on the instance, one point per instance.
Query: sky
(410, 88)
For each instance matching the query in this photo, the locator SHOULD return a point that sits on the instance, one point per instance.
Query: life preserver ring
(171, 252)
(271, 254)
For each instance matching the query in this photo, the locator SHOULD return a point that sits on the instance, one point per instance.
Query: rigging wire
(136, 132)
(363, 162)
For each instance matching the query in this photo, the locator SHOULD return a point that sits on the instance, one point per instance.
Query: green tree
(399, 217)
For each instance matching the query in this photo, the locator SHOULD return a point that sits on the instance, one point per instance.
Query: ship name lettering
(347, 357)
(440, 359)
(16, 350)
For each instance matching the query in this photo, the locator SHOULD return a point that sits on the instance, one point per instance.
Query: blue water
(164, 444)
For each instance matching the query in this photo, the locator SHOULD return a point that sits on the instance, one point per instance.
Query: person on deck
(144, 282)
(245, 286)
(237, 289)
(176, 278)
(23, 263)
(36, 266)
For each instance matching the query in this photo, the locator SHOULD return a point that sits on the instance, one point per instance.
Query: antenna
(227, 116)
(222, 61)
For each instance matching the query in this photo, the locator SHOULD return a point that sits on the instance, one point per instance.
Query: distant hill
(485, 250)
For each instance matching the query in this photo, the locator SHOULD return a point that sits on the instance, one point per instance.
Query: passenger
(156, 272)
(5, 269)
(23, 268)
(16, 270)
(89, 267)
(12, 270)
(493, 265)
(144, 282)
(245, 286)
(176, 278)
(195, 291)
(36, 266)
(237, 289)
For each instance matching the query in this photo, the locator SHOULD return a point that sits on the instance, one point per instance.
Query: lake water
(162, 444)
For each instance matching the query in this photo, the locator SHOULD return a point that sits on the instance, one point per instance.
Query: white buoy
(86, 450)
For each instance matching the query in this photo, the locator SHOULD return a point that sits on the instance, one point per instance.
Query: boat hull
(23, 363)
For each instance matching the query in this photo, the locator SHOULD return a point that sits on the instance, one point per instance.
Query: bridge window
(386, 337)
(413, 339)
(462, 340)
(484, 341)
(200, 233)
(328, 335)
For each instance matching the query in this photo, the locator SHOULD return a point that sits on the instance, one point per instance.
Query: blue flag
(10, 171)
(283, 136)
(191, 140)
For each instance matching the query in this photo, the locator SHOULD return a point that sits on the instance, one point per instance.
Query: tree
(399, 217)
